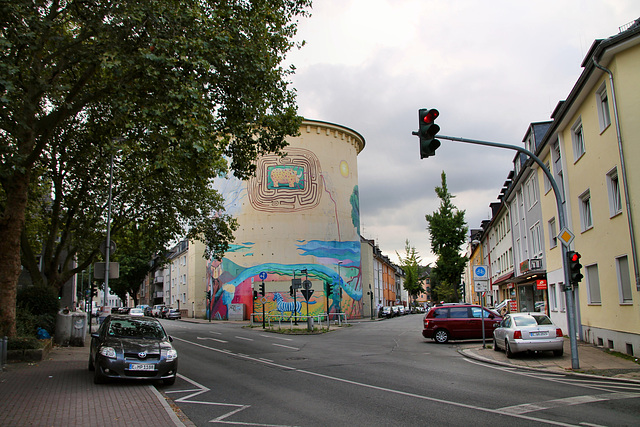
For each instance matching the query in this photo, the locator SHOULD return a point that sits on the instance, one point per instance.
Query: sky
(490, 67)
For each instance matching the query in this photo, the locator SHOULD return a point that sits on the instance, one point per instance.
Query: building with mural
(299, 222)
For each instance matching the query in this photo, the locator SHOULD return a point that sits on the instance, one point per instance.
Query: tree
(413, 271)
(178, 91)
(448, 231)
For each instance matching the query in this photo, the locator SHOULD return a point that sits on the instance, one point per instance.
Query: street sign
(306, 284)
(263, 300)
(296, 283)
(262, 275)
(306, 293)
(566, 236)
(481, 272)
(481, 285)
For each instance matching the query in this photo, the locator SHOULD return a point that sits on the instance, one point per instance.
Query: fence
(279, 319)
(4, 342)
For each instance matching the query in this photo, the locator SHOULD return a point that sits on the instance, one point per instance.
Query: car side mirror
(170, 338)
(491, 316)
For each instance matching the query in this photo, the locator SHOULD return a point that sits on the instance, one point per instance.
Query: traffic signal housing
(575, 273)
(427, 131)
(262, 289)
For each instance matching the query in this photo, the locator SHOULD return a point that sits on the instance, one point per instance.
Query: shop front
(531, 293)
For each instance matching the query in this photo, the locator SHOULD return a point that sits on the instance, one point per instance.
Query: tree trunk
(11, 225)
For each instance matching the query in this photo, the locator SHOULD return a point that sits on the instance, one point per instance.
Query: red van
(459, 322)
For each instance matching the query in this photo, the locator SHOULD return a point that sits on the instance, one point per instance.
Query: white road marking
(212, 339)
(286, 346)
(245, 338)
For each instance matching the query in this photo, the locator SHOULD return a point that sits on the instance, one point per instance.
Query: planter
(30, 354)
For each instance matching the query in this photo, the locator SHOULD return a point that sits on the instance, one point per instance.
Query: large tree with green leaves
(177, 92)
(448, 231)
(413, 271)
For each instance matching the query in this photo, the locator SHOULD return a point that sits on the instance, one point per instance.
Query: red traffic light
(431, 116)
(575, 257)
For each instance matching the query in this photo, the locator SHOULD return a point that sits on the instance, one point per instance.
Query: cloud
(491, 68)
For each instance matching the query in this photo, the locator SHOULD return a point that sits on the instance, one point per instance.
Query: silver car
(520, 332)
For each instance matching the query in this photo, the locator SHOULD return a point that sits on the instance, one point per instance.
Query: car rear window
(525, 321)
(542, 320)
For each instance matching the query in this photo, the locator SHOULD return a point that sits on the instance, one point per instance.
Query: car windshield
(129, 328)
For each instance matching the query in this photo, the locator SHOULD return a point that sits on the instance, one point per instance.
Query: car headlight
(171, 354)
(109, 352)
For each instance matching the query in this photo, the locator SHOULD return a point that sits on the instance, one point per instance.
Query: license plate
(539, 333)
(141, 367)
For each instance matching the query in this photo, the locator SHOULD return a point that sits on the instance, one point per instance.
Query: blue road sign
(262, 275)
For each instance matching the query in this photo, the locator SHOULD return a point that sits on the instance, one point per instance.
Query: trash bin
(71, 328)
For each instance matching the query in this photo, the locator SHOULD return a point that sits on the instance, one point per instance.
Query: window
(593, 285)
(602, 100)
(553, 302)
(624, 280)
(615, 201)
(553, 233)
(536, 239)
(577, 136)
(531, 192)
(586, 220)
(547, 183)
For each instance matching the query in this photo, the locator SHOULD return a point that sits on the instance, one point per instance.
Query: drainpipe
(624, 173)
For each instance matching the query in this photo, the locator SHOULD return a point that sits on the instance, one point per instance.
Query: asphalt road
(371, 374)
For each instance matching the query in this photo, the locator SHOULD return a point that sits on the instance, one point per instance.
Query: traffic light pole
(568, 287)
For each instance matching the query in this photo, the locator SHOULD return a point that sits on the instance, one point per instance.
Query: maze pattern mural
(286, 184)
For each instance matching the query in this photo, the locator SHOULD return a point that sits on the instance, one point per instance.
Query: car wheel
(442, 336)
(98, 378)
(91, 365)
(558, 352)
(169, 381)
(495, 345)
(507, 349)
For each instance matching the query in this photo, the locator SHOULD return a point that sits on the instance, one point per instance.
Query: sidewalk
(59, 391)
(592, 360)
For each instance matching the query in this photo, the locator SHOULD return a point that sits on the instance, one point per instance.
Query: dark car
(459, 322)
(132, 348)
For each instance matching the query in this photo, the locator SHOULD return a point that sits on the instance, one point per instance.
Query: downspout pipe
(632, 233)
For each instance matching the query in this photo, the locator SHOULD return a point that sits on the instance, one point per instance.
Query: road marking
(276, 338)
(286, 346)
(244, 338)
(567, 401)
(212, 339)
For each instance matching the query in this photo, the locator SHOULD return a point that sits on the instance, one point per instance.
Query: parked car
(173, 314)
(156, 311)
(132, 348)
(136, 312)
(396, 310)
(386, 312)
(147, 311)
(520, 332)
(459, 322)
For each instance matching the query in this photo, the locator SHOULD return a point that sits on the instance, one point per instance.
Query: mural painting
(299, 217)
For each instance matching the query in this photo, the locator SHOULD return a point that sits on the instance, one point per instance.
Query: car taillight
(426, 323)
(559, 332)
(517, 335)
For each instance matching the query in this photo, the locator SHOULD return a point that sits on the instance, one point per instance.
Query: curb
(469, 354)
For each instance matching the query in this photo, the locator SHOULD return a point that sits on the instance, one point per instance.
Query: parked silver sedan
(520, 332)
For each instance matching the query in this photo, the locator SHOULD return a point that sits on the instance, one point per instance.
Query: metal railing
(300, 321)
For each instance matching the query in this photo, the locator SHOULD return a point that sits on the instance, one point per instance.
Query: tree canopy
(448, 231)
(176, 92)
(413, 271)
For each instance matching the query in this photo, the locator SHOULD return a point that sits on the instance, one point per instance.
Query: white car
(138, 312)
(520, 332)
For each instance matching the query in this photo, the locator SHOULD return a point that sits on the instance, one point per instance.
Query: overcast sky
(490, 67)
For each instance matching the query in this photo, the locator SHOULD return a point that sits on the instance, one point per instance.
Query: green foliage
(175, 92)
(38, 300)
(23, 343)
(448, 231)
(413, 271)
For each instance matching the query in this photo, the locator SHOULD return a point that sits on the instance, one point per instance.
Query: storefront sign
(513, 306)
(524, 266)
(541, 284)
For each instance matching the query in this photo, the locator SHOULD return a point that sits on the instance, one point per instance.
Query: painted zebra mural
(284, 306)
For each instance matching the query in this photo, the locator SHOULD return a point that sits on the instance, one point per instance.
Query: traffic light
(291, 290)
(427, 131)
(255, 295)
(575, 274)
(207, 294)
(329, 289)
(262, 289)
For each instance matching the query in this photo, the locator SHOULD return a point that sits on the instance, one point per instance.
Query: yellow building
(593, 152)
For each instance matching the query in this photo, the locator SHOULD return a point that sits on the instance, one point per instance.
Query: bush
(23, 344)
(36, 307)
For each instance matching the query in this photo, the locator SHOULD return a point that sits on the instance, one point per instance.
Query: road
(370, 374)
